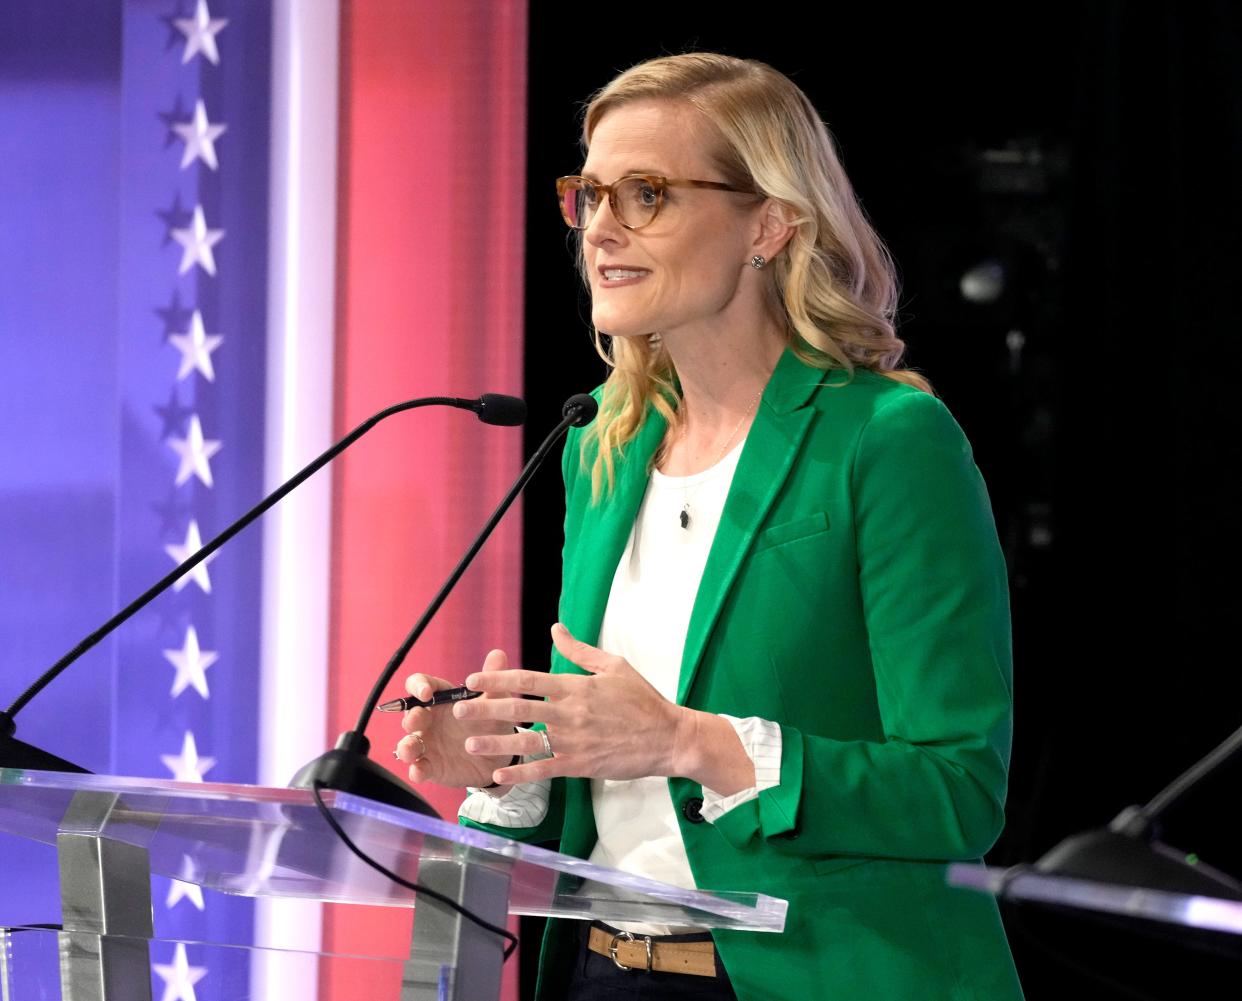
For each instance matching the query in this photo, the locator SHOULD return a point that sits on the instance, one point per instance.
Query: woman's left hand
(607, 724)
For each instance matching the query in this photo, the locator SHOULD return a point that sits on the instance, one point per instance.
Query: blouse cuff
(522, 805)
(761, 739)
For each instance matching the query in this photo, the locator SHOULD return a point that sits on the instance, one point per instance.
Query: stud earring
(758, 261)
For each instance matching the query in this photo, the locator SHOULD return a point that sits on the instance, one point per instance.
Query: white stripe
(522, 806)
(296, 534)
(761, 739)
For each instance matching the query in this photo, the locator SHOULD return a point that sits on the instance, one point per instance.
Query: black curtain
(1135, 644)
(1091, 156)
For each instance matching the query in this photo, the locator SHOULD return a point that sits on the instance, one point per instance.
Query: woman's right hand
(434, 747)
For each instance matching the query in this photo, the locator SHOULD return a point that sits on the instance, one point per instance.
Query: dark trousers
(597, 978)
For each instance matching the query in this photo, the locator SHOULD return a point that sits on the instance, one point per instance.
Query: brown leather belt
(631, 952)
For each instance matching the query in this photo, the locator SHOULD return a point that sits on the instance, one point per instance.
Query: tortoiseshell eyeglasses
(635, 199)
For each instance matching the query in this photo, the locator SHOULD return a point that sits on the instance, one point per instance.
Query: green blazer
(856, 594)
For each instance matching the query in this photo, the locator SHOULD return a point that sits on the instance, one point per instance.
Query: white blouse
(646, 620)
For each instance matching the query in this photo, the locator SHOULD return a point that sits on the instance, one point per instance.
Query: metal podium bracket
(105, 899)
(452, 958)
(6, 948)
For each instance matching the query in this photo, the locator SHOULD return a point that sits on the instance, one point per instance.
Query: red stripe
(433, 100)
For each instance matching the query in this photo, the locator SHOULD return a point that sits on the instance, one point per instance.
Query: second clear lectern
(112, 834)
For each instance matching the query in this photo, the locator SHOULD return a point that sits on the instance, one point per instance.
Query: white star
(197, 241)
(188, 766)
(191, 663)
(181, 888)
(199, 136)
(179, 977)
(196, 346)
(193, 543)
(196, 452)
(200, 33)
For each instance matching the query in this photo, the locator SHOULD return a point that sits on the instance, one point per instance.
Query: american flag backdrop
(229, 231)
(134, 257)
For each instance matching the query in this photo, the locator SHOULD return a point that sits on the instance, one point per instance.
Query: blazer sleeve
(934, 594)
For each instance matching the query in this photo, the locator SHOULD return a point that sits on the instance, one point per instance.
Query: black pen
(438, 699)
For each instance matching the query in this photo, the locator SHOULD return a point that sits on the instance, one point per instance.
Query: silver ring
(547, 744)
(422, 746)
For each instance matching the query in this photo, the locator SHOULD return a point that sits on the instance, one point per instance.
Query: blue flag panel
(133, 262)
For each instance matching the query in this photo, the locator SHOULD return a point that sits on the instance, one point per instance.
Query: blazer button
(692, 810)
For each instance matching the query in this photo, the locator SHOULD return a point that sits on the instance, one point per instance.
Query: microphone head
(496, 408)
(583, 408)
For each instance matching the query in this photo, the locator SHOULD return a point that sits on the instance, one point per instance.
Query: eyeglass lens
(635, 202)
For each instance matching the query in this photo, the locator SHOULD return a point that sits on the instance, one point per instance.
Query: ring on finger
(547, 743)
(422, 747)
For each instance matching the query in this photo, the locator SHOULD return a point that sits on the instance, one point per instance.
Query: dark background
(1091, 155)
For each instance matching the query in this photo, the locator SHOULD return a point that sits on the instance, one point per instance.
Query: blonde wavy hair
(835, 281)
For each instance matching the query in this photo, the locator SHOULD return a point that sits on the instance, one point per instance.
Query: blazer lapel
(771, 447)
(606, 529)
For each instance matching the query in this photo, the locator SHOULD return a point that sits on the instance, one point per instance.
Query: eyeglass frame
(657, 181)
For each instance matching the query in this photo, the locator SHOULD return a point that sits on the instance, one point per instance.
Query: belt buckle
(628, 937)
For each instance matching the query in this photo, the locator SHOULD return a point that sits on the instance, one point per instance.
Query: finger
(496, 660)
(506, 744)
(411, 748)
(417, 719)
(590, 658)
(532, 771)
(422, 686)
(423, 770)
(510, 710)
(423, 765)
(517, 682)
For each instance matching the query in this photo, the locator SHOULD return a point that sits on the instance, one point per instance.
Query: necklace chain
(684, 514)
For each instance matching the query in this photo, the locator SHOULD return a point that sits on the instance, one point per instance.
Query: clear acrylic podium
(1193, 912)
(112, 834)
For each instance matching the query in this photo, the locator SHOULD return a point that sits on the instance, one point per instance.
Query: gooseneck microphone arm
(576, 414)
(346, 768)
(491, 408)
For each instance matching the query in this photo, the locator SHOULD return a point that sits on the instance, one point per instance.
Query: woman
(783, 661)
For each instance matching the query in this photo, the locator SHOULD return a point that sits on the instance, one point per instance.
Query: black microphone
(496, 408)
(346, 768)
(492, 408)
(583, 409)
(1128, 851)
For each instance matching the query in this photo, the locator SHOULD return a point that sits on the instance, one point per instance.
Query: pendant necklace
(684, 515)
